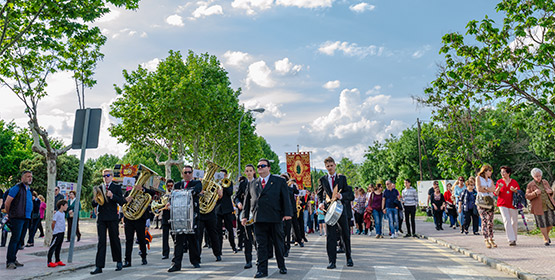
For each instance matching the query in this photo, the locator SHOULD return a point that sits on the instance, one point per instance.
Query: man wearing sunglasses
(108, 220)
(345, 195)
(268, 200)
(189, 240)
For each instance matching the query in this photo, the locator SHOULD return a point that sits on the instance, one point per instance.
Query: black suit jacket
(109, 211)
(224, 204)
(345, 190)
(196, 187)
(268, 205)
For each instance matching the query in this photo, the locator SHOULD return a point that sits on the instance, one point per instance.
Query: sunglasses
(106, 175)
(187, 172)
(262, 166)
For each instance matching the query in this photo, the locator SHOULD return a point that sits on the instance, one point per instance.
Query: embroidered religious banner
(298, 166)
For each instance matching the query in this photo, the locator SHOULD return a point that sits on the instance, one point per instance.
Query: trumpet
(226, 183)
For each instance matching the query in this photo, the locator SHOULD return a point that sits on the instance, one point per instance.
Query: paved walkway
(530, 255)
(34, 258)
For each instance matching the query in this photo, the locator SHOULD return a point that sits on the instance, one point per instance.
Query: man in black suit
(224, 212)
(326, 185)
(192, 244)
(136, 226)
(166, 224)
(239, 199)
(108, 219)
(208, 225)
(268, 199)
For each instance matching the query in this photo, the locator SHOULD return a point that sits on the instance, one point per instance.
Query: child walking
(58, 230)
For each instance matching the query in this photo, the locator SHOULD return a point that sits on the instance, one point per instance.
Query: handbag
(519, 200)
(484, 201)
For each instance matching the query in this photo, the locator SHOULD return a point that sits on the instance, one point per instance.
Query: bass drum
(333, 213)
(182, 212)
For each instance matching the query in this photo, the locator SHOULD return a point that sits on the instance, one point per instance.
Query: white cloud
(151, 65)
(236, 59)
(419, 53)
(205, 10)
(272, 112)
(348, 129)
(260, 74)
(252, 6)
(362, 7)
(306, 3)
(112, 15)
(349, 49)
(284, 66)
(533, 39)
(331, 85)
(144, 35)
(175, 20)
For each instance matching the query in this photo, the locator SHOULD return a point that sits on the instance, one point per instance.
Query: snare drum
(333, 213)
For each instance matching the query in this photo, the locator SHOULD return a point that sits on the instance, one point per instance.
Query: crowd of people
(272, 214)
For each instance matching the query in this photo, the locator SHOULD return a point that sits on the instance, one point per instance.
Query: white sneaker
(392, 236)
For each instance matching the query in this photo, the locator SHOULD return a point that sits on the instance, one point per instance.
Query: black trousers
(438, 217)
(241, 232)
(359, 219)
(249, 242)
(69, 225)
(115, 245)
(302, 229)
(189, 240)
(267, 233)
(468, 215)
(228, 223)
(287, 225)
(166, 239)
(131, 227)
(342, 227)
(410, 213)
(208, 222)
(39, 227)
(296, 229)
(56, 246)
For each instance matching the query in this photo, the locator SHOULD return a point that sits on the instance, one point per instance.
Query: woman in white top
(486, 188)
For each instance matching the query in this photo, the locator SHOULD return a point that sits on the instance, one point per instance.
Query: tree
(38, 39)
(512, 61)
(15, 147)
(268, 153)
(346, 167)
(183, 111)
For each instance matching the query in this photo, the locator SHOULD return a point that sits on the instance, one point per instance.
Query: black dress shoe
(340, 251)
(248, 265)
(235, 251)
(350, 262)
(144, 262)
(331, 265)
(218, 258)
(301, 244)
(174, 268)
(196, 265)
(119, 266)
(96, 271)
(283, 271)
(286, 254)
(260, 275)
(165, 257)
(126, 264)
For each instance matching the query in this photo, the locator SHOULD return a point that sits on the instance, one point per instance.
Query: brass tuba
(99, 195)
(135, 209)
(210, 188)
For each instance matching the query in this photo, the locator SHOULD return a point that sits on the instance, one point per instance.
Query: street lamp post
(258, 110)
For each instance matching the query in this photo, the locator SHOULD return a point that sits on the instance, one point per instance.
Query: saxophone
(207, 202)
(135, 209)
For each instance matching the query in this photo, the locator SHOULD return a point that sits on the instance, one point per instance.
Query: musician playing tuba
(334, 187)
(136, 226)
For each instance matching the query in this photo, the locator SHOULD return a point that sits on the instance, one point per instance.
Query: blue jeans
(393, 217)
(378, 219)
(306, 220)
(18, 227)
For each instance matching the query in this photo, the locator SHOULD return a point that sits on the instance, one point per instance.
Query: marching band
(269, 216)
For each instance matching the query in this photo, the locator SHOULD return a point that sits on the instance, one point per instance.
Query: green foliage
(267, 153)
(315, 175)
(351, 170)
(15, 147)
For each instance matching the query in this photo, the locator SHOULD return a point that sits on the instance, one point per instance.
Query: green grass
(429, 220)
(497, 222)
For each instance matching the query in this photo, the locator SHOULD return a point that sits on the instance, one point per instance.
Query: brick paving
(530, 255)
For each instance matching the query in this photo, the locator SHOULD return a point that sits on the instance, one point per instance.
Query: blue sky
(333, 76)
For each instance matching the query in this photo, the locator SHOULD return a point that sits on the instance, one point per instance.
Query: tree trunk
(50, 207)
